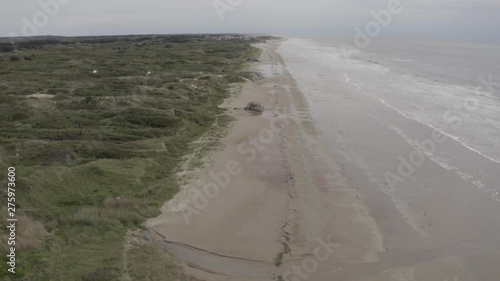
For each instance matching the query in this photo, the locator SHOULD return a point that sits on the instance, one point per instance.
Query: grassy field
(95, 154)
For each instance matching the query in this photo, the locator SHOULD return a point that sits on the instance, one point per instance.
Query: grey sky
(475, 20)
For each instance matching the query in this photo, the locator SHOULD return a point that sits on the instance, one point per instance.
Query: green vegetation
(95, 153)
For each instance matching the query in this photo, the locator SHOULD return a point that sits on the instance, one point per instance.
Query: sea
(453, 87)
(415, 128)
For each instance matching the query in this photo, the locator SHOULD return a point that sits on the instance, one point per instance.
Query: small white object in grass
(149, 73)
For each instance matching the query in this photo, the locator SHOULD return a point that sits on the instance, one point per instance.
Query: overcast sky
(469, 20)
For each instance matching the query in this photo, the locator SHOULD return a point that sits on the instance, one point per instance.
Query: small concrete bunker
(255, 106)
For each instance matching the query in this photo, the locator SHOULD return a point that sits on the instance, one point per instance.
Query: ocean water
(377, 105)
(378, 108)
(448, 86)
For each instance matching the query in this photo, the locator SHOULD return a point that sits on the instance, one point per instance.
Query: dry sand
(281, 209)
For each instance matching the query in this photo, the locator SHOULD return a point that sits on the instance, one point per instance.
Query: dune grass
(95, 154)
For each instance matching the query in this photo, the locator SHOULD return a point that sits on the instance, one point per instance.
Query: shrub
(7, 47)
(151, 118)
(15, 58)
(100, 275)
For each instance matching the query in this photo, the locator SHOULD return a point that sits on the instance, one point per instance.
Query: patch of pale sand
(40, 96)
(443, 269)
(41, 100)
(278, 205)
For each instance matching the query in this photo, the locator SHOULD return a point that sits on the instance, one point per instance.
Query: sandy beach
(298, 195)
(279, 201)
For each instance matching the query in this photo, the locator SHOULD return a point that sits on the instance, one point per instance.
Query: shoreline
(273, 200)
(430, 231)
